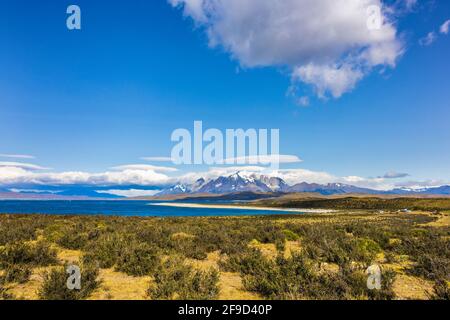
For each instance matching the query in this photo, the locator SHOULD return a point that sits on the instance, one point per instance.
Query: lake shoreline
(237, 207)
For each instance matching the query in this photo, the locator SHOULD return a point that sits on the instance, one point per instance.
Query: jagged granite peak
(240, 182)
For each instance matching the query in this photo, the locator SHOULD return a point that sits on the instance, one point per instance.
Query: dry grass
(408, 287)
(119, 286)
(442, 221)
(231, 288)
(69, 256)
(29, 290)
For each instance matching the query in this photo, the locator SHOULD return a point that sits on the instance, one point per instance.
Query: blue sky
(111, 93)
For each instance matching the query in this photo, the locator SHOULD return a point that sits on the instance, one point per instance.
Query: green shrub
(431, 266)
(4, 294)
(176, 280)
(73, 240)
(189, 246)
(441, 290)
(105, 251)
(280, 245)
(296, 278)
(246, 262)
(367, 249)
(431, 253)
(37, 254)
(16, 273)
(138, 259)
(54, 286)
(387, 287)
(15, 230)
(290, 235)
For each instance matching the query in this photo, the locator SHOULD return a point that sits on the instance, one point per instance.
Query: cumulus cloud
(293, 176)
(328, 44)
(215, 172)
(324, 78)
(444, 27)
(140, 175)
(12, 173)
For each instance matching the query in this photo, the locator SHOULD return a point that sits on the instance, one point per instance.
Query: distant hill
(330, 188)
(40, 196)
(251, 186)
(442, 190)
(238, 182)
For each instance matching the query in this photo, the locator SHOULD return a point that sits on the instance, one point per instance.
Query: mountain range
(234, 184)
(237, 182)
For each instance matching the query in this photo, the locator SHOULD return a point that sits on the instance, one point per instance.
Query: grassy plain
(305, 256)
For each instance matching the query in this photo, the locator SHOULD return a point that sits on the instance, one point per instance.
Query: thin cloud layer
(16, 156)
(432, 36)
(16, 174)
(26, 166)
(130, 192)
(326, 44)
(157, 159)
(428, 39)
(395, 175)
(264, 159)
(445, 27)
(144, 167)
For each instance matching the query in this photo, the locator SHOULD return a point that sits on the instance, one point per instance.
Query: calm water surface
(120, 208)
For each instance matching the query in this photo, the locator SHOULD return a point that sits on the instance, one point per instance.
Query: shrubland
(332, 255)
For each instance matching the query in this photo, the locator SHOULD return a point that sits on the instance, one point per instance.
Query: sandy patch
(221, 206)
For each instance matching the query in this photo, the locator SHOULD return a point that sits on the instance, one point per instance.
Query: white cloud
(264, 159)
(17, 156)
(303, 101)
(193, 8)
(428, 39)
(394, 175)
(293, 176)
(444, 27)
(144, 167)
(23, 174)
(129, 193)
(26, 166)
(323, 42)
(20, 173)
(409, 4)
(335, 80)
(157, 159)
(16, 190)
(215, 172)
(10, 175)
(414, 185)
